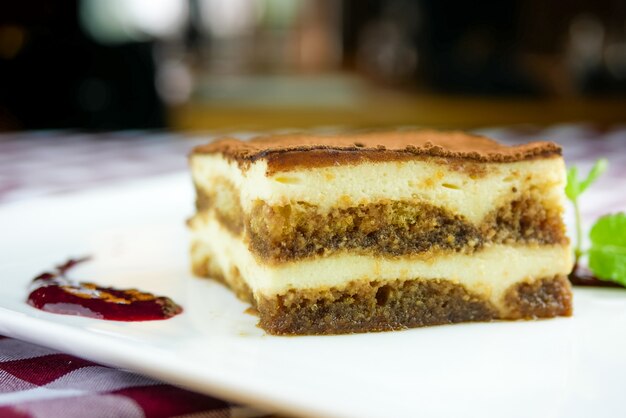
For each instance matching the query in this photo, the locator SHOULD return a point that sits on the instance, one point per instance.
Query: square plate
(570, 367)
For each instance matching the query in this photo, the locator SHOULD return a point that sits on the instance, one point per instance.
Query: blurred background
(198, 65)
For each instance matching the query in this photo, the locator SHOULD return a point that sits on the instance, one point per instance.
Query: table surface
(39, 382)
(221, 101)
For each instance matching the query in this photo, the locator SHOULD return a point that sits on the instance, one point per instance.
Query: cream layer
(444, 185)
(489, 272)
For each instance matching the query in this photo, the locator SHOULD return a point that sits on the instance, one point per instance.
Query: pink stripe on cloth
(100, 379)
(10, 412)
(37, 382)
(9, 383)
(92, 406)
(45, 369)
(11, 349)
(165, 401)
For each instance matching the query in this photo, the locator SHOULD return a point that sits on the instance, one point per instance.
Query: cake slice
(383, 231)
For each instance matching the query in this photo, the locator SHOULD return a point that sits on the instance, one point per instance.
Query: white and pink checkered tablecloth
(39, 382)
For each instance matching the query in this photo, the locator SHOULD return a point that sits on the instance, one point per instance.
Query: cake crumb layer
(391, 228)
(369, 307)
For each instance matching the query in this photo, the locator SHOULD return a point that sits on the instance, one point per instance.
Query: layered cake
(383, 231)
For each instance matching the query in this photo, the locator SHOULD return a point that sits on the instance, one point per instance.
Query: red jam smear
(54, 292)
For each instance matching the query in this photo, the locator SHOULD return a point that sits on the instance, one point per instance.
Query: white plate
(571, 367)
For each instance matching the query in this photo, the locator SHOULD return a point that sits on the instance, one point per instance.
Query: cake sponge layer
(471, 190)
(383, 302)
(374, 306)
(488, 272)
(388, 227)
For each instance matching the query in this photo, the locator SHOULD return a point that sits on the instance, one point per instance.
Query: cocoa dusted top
(293, 151)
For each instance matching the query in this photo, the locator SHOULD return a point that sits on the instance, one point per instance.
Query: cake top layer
(292, 151)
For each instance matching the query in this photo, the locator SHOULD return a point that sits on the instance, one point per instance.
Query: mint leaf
(607, 255)
(596, 171)
(609, 263)
(609, 230)
(572, 189)
(575, 187)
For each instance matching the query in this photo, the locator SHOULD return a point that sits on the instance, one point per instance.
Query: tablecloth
(39, 382)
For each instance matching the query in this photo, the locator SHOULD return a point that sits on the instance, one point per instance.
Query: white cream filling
(489, 272)
(439, 184)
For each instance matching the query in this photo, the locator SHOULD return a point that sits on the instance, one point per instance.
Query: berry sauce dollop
(54, 292)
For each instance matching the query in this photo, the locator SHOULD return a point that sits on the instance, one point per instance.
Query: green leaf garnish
(574, 188)
(607, 255)
(596, 171)
(609, 230)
